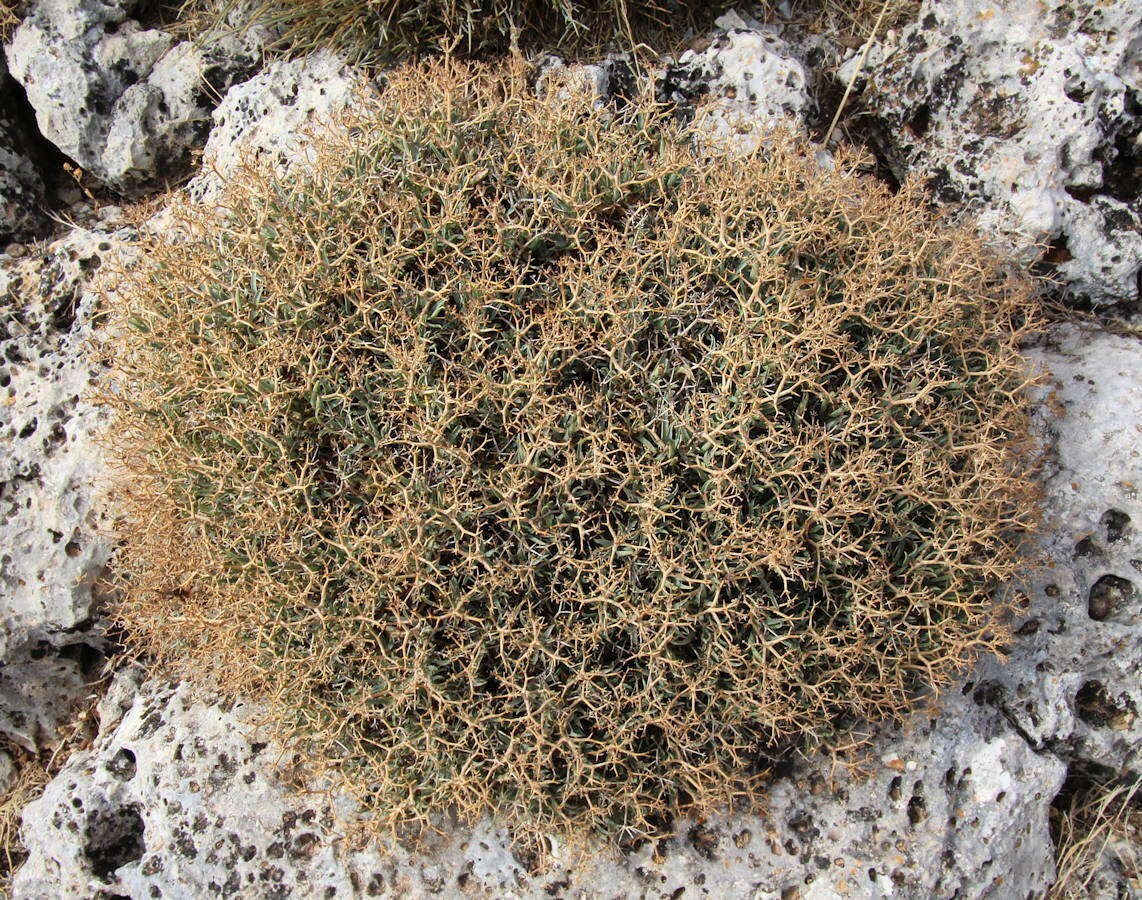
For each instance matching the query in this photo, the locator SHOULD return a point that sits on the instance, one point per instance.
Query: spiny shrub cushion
(520, 456)
(391, 27)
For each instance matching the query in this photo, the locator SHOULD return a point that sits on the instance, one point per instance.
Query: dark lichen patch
(705, 840)
(122, 764)
(113, 837)
(1117, 525)
(1095, 706)
(1110, 598)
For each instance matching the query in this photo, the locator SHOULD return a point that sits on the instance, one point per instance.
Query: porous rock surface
(270, 119)
(52, 546)
(176, 798)
(1029, 114)
(1074, 683)
(125, 102)
(52, 549)
(748, 79)
(604, 81)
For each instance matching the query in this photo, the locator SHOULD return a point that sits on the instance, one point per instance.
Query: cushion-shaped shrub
(518, 455)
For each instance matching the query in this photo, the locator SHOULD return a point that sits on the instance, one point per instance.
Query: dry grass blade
(28, 782)
(860, 67)
(1095, 816)
(31, 773)
(9, 17)
(852, 22)
(388, 29)
(519, 456)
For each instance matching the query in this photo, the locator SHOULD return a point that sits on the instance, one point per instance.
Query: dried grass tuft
(9, 17)
(850, 22)
(1095, 816)
(519, 457)
(27, 783)
(389, 29)
(31, 773)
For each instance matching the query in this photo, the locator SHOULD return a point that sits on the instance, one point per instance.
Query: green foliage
(519, 454)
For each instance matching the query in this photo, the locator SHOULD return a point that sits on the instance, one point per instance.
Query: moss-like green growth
(519, 455)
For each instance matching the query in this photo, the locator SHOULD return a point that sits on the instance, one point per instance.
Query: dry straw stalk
(372, 29)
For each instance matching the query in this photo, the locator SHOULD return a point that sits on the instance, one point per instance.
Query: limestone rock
(124, 102)
(603, 80)
(1104, 243)
(1073, 684)
(178, 795)
(75, 59)
(750, 78)
(267, 119)
(1027, 113)
(52, 548)
(39, 690)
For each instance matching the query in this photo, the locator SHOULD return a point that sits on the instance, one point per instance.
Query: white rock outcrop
(270, 119)
(749, 80)
(1073, 685)
(177, 798)
(1028, 114)
(53, 548)
(124, 102)
(601, 81)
